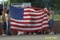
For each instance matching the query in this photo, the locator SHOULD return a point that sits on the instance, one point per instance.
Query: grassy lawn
(56, 17)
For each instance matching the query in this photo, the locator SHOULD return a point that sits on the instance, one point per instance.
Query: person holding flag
(3, 23)
(51, 21)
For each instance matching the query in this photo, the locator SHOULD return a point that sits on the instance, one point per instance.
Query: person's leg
(48, 29)
(52, 23)
(51, 26)
(8, 28)
(0, 28)
(4, 28)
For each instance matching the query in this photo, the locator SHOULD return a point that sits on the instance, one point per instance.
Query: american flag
(27, 19)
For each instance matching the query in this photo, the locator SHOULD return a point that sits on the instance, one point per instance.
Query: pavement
(31, 37)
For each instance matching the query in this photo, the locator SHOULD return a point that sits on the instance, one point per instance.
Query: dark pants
(8, 28)
(51, 22)
(0, 28)
(4, 25)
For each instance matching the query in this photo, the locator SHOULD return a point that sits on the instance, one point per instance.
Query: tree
(15, 1)
(57, 4)
(38, 3)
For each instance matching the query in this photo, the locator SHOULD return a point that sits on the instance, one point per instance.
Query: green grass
(56, 17)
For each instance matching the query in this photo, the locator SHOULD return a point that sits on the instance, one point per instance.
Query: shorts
(51, 22)
(4, 25)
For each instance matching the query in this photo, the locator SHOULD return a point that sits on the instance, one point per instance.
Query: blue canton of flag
(16, 13)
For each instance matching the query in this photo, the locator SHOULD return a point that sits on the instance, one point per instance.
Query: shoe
(34, 33)
(51, 33)
(3, 34)
(20, 33)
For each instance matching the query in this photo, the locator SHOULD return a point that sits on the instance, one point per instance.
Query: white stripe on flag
(13, 27)
(37, 24)
(30, 20)
(34, 16)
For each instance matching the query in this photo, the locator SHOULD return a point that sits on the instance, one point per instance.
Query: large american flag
(28, 19)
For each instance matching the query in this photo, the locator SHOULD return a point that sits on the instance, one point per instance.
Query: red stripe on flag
(27, 22)
(31, 15)
(28, 26)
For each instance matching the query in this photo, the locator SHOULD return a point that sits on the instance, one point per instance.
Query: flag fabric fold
(28, 19)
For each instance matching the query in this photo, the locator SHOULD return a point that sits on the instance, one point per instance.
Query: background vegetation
(55, 4)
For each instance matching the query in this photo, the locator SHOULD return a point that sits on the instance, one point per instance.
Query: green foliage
(15, 1)
(38, 3)
(57, 4)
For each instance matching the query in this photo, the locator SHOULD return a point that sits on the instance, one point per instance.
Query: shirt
(0, 18)
(51, 14)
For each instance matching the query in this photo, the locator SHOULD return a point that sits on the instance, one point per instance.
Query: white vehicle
(17, 4)
(26, 4)
(21, 4)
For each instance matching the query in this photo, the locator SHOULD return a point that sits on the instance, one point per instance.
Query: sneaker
(51, 33)
(34, 33)
(20, 33)
(3, 34)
